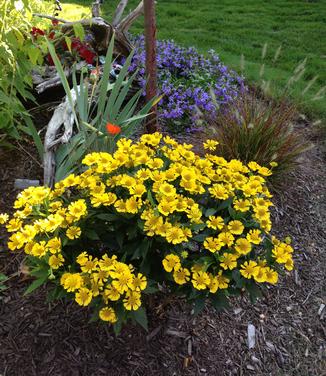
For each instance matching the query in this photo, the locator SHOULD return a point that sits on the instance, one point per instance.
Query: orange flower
(113, 129)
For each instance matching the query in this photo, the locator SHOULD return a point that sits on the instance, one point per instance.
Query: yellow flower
(100, 277)
(261, 213)
(235, 227)
(210, 145)
(55, 261)
(226, 238)
(83, 297)
(167, 189)
(181, 276)
(73, 232)
(242, 246)
(289, 264)
(241, 205)
(249, 269)
(108, 314)
(213, 285)
(138, 190)
(166, 207)
(261, 275)
(228, 261)
(155, 163)
(3, 218)
(253, 236)
(77, 209)
(111, 293)
(107, 263)
(123, 282)
(54, 245)
(212, 244)
(16, 241)
(282, 253)
(14, 225)
(223, 282)
(200, 280)
(215, 222)
(194, 214)
(218, 191)
(132, 301)
(39, 249)
(175, 235)
(271, 275)
(171, 262)
(139, 282)
(71, 281)
(132, 205)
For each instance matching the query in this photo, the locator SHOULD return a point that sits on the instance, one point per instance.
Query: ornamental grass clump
(151, 213)
(250, 129)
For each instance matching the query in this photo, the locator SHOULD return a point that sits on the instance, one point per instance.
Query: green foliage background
(235, 27)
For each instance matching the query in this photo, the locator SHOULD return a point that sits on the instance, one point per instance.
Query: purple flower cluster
(187, 80)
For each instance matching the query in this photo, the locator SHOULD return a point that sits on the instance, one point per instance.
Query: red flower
(36, 31)
(51, 35)
(55, 22)
(86, 54)
(50, 60)
(113, 129)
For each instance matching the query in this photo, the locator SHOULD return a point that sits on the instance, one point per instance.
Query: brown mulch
(38, 338)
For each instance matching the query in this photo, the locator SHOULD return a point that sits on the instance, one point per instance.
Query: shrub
(185, 79)
(250, 129)
(17, 58)
(152, 212)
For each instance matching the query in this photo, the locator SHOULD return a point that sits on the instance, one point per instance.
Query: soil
(39, 338)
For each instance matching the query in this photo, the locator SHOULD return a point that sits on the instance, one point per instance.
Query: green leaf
(57, 293)
(79, 30)
(198, 227)
(35, 285)
(108, 217)
(200, 238)
(34, 53)
(120, 238)
(3, 277)
(199, 305)
(68, 42)
(238, 279)
(220, 301)
(140, 317)
(91, 234)
(224, 204)
(117, 327)
(210, 212)
(254, 291)
(150, 289)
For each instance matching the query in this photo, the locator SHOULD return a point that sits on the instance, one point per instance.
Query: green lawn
(235, 27)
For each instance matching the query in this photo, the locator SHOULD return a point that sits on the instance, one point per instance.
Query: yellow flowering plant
(151, 212)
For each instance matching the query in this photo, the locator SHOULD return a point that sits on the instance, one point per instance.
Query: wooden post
(151, 66)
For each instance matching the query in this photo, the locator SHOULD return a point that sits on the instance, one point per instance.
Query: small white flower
(19, 5)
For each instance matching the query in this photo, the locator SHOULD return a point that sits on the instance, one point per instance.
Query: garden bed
(56, 339)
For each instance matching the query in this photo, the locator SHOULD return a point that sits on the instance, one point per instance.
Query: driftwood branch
(55, 80)
(118, 12)
(63, 116)
(96, 8)
(49, 17)
(124, 25)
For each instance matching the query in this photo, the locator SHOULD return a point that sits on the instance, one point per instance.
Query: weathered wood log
(118, 12)
(63, 116)
(125, 24)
